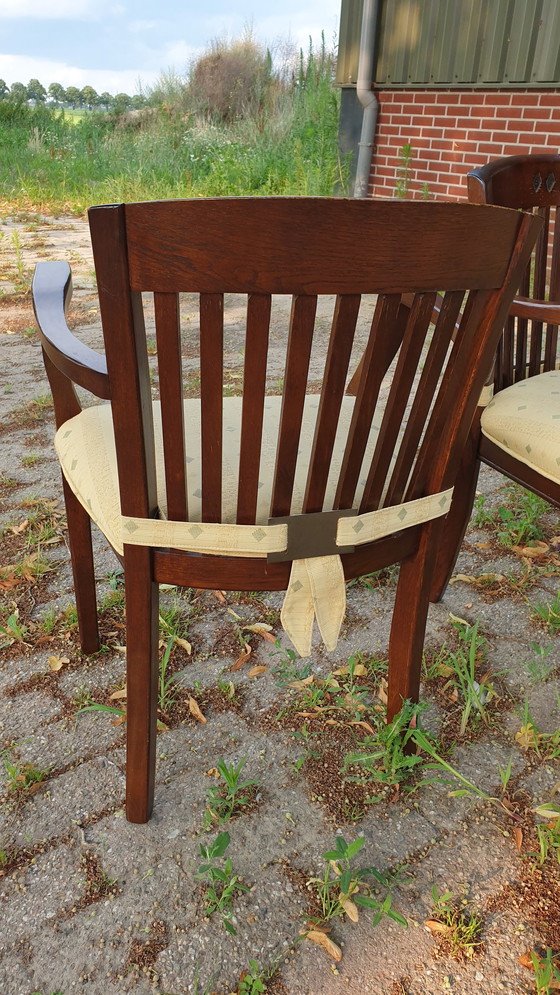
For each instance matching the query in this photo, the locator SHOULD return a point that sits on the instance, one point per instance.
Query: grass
(458, 928)
(518, 520)
(549, 613)
(286, 144)
(229, 798)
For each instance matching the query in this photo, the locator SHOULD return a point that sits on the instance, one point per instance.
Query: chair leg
(408, 626)
(459, 514)
(81, 553)
(142, 612)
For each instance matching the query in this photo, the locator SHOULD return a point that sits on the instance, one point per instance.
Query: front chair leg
(408, 626)
(142, 615)
(83, 571)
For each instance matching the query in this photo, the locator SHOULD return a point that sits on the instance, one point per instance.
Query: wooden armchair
(518, 432)
(297, 492)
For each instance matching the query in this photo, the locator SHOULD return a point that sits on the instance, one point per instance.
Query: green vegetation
(458, 928)
(228, 799)
(236, 124)
(223, 883)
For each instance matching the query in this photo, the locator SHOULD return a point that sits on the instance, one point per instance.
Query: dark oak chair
(518, 432)
(297, 492)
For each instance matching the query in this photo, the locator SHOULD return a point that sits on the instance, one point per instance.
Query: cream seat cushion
(86, 448)
(524, 421)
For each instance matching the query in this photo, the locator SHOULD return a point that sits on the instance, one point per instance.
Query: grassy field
(284, 144)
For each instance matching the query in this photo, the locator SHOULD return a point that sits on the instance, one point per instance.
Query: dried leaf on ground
(435, 926)
(255, 671)
(242, 658)
(518, 838)
(57, 662)
(537, 548)
(194, 709)
(184, 643)
(326, 943)
(118, 694)
(349, 907)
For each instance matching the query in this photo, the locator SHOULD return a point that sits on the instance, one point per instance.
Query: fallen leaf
(324, 941)
(483, 545)
(255, 671)
(9, 582)
(537, 548)
(220, 596)
(242, 658)
(465, 578)
(194, 709)
(184, 643)
(349, 907)
(455, 618)
(518, 837)
(365, 725)
(230, 611)
(382, 692)
(258, 627)
(57, 662)
(18, 529)
(298, 685)
(118, 694)
(213, 772)
(527, 736)
(435, 926)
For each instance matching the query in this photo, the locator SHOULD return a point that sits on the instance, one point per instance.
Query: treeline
(59, 96)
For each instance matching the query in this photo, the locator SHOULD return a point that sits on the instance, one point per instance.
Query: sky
(122, 47)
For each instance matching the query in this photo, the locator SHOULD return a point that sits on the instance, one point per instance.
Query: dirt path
(93, 904)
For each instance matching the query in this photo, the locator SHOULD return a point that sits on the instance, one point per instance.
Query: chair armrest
(52, 293)
(527, 307)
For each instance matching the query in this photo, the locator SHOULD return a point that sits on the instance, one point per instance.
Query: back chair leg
(81, 552)
(457, 520)
(408, 626)
(142, 616)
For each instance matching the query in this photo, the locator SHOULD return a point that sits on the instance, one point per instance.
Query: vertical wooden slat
(302, 321)
(211, 394)
(521, 333)
(336, 369)
(407, 366)
(168, 335)
(387, 329)
(551, 343)
(254, 386)
(539, 289)
(443, 334)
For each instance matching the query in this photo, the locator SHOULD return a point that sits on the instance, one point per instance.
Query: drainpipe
(366, 96)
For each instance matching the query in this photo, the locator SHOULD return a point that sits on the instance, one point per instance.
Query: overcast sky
(112, 46)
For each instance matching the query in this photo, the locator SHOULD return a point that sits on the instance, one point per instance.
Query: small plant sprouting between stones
(475, 694)
(21, 779)
(342, 887)
(228, 799)
(252, 982)
(547, 972)
(385, 757)
(548, 834)
(539, 667)
(404, 172)
(458, 928)
(549, 613)
(223, 883)
(286, 670)
(13, 631)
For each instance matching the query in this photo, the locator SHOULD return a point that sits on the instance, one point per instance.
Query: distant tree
(73, 96)
(4, 89)
(18, 91)
(105, 99)
(36, 91)
(57, 93)
(121, 103)
(138, 101)
(89, 97)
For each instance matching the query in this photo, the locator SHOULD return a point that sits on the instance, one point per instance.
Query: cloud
(22, 68)
(75, 10)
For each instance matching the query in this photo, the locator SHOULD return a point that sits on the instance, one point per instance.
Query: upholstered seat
(524, 421)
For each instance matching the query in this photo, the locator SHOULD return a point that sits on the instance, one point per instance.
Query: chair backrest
(529, 183)
(304, 247)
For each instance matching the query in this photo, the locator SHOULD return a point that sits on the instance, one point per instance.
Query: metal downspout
(366, 96)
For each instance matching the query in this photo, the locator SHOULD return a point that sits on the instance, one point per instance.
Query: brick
(550, 100)
(513, 113)
(498, 99)
(538, 113)
(525, 98)
(551, 128)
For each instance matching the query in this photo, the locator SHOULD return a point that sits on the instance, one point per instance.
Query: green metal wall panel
(457, 43)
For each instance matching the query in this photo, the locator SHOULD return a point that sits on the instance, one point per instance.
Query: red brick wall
(452, 131)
